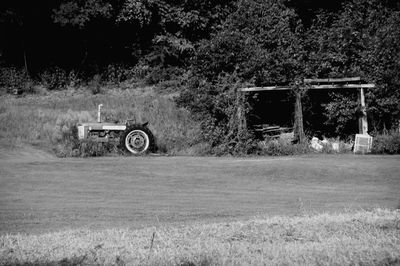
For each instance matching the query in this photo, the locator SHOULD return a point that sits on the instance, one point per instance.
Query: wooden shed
(351, 83)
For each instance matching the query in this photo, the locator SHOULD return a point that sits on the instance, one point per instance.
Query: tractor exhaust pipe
(99, 113)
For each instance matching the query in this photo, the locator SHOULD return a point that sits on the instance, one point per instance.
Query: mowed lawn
(40, 193)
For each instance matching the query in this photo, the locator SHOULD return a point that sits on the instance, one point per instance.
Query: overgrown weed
(386, 143)
(277, 147)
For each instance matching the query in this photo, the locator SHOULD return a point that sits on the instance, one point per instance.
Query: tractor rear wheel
(137, 139)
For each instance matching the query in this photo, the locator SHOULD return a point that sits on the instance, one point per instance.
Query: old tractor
(134, 138)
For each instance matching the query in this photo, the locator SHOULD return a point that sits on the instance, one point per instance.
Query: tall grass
(386, 143)
(356, 238)
(49, 121)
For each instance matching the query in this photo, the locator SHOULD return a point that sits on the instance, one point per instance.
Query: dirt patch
(24, 153)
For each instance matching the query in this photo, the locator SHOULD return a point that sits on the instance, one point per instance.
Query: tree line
(91, 34)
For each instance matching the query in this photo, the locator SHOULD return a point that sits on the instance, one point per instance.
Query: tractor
(133, 138)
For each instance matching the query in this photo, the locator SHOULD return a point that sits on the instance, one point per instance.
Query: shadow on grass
(81, 260)
(84, 260)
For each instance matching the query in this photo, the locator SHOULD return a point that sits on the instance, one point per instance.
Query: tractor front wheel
(137, 140)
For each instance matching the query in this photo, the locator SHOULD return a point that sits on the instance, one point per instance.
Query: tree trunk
(23, 30)
(25, 62)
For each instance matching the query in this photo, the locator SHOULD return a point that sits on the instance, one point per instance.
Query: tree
(177, 25)
(261, 42)
(361, 40)
(79, 13)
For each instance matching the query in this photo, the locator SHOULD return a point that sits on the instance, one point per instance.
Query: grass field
(303, 210)
(41, 193)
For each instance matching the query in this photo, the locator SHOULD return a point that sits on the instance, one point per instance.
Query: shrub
(158, 74)
(116, 73)
(95, 84)
(341, 113)
(140, 71)
(54, 79)
(73, 79)
(92, 148)
(386, 144)
(277, 147)
(241, 143)
(215, 106)
(14, 80)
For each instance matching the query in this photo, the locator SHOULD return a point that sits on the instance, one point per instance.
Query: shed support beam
(362, 120)
(298, 119)
(240, 112)
(311, 87)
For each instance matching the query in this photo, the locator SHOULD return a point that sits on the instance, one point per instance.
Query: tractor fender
(130, 123)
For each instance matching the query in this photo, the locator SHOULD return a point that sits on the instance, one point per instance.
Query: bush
(15, 81)
(54, 79)
(386, 144)
(116, 73)
(95, 84)
(159, 74)
(277, 147)
(73, 78)
(241, 143)
(215, 107)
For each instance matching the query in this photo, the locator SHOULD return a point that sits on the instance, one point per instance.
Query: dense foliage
(208, 49)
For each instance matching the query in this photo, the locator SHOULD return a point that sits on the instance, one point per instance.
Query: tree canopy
(100, 32)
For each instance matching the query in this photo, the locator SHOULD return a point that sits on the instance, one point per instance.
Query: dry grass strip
(364, 237)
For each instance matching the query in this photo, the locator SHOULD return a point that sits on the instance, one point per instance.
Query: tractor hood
(84, 128)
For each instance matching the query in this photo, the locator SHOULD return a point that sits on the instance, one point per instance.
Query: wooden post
(362, 120)
(298, 118)
(241, 116)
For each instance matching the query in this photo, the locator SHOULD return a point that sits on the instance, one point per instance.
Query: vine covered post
(299, 92)
(362, 120)
(240, 111)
